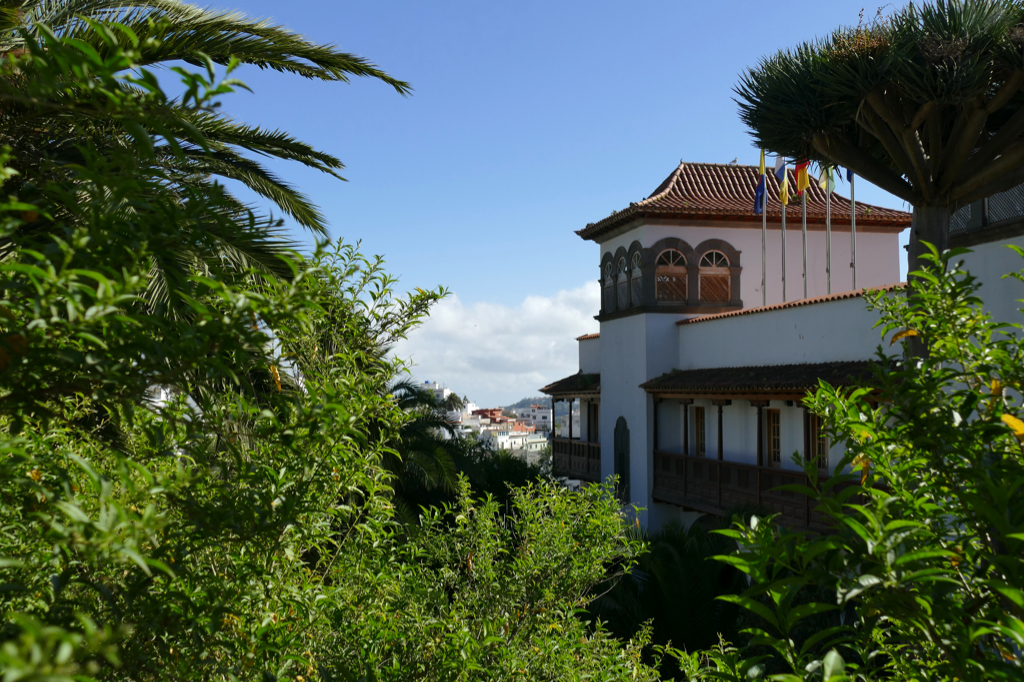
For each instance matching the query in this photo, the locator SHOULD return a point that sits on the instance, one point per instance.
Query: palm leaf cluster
(675, 587)
(196, 147)
(926, 103)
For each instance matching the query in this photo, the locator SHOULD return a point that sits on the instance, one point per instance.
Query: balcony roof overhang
(578, 385)
(774, 382)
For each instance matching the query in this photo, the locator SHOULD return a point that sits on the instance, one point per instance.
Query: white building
(691, 391)
(535, 415)
(505, 439)
(440, 392)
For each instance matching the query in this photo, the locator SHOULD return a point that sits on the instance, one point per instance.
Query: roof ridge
(842, 295)
(665, 187)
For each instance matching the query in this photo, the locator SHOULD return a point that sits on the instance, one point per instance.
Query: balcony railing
(576, 459)
(717, 486)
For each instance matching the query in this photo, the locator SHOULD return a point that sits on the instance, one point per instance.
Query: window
(608, 289)
(715, 278)
(817, 441)
(670, 277)
(700, 443)
(635, 288)
(774, 436)
(622, 285)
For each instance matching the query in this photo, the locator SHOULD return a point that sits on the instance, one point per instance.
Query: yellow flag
(784, 191)
(762, 163)
(803, 181)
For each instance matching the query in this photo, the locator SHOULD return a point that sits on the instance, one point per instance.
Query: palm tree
(427, 450)
(195, 146)
(926, 104)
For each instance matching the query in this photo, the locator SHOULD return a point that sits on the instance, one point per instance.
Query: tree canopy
(926, 103)
(206, 497)
(194, 148)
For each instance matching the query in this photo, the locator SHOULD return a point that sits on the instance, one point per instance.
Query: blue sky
(527, 121)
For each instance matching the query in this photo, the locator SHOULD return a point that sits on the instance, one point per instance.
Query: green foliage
(495, 597)
(675, 587)
(60, 105)
(924, 567)
(202, 495)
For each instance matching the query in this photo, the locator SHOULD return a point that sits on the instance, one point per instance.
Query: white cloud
(496, 354)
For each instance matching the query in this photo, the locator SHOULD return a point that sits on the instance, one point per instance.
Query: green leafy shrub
(925, 566)
(197, 491)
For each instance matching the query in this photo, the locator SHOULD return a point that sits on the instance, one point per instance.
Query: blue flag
(759, 196)
(849, 175)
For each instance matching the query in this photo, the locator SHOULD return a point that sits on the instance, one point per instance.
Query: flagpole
(764, 240)
(803, 196)
(784, 188)
(853, 231)
(828, 232)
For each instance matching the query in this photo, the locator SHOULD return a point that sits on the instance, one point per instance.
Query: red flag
(802, 181)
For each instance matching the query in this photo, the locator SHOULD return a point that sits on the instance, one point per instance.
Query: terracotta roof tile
(587, 337)
(577, 384)
(725, 380)
(703, 191)
(855, 293)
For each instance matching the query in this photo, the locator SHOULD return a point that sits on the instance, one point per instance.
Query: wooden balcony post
(554, 431)
(720, 404)
(760, 434)
(656, 401)
(570, 418)
(685, 404)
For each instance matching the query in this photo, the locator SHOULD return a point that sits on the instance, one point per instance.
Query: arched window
(622, 281)
(670, 277)
(715, 278)
(635, 287)
(608, 289)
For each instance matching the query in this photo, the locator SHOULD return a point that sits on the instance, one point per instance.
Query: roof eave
(594, 231)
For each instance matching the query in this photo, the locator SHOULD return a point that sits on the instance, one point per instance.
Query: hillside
(560, 407)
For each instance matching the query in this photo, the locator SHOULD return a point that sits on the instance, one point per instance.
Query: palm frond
(228, 164)
(185, 30)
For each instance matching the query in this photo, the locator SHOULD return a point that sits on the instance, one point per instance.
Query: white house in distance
(691, 392)
(535, 415)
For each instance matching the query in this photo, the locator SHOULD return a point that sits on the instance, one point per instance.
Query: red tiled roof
(792, 304)
(710, 191)
(801, 377)
(587, 337)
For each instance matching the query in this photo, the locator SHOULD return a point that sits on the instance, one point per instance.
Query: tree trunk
(930, 224)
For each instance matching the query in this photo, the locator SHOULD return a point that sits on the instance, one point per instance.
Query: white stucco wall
(590, 356)
(821, 332)
(623, 369)
(739, 431)
(632, 350)
(878, 257)
(989, 262)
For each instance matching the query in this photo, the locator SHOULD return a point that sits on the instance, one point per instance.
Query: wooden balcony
(718, 486)
(576, 459)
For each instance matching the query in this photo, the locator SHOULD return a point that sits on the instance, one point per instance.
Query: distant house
(691, 391)
(538, 416)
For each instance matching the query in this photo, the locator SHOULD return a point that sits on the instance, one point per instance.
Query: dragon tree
(926, 104)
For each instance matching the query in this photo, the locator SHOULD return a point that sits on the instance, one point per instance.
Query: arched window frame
(670, 276)
(608, 287)
(635, 284)
(622, 284)
(715, 279)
